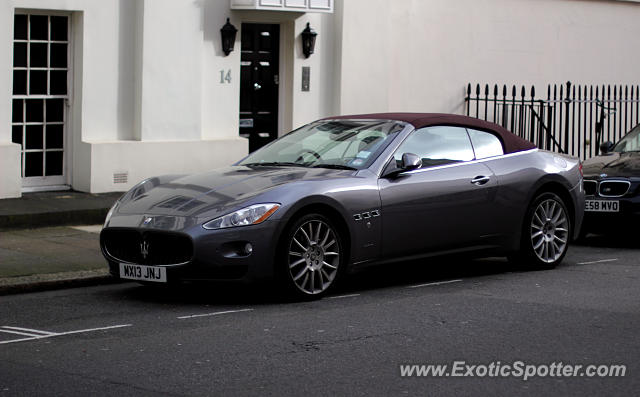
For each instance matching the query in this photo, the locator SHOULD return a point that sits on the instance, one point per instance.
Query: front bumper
(215, 254)
(611, 222)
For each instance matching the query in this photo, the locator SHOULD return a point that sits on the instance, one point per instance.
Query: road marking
(342, 296)
(33, 331)
(19, 333)
(600, 261)
(46, 334)
(214, 313)
(436, 283)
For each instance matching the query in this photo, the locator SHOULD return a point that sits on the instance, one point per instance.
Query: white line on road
(436, 283)
(600, 261)
(50, 335)
(342, 296)
(214, 314)
(7, 331)
(33, 331)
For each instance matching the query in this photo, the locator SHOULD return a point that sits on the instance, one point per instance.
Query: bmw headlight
(251, 215)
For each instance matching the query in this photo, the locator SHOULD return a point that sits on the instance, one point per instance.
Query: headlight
(111, 211)
(247, 216)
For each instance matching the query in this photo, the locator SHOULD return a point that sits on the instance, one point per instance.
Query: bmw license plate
(602, 205)
(143, 273)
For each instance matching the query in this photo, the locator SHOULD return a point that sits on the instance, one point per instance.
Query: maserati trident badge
(144, 248)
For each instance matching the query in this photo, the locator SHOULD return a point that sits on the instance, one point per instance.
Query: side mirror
(410, 162)
(605, 147)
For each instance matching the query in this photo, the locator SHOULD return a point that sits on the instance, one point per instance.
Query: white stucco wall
(418, 55)
(143, 71)
(147, 97)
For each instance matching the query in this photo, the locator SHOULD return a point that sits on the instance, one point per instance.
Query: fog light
(248, 249)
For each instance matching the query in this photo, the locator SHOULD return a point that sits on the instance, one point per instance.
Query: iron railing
(573, 119)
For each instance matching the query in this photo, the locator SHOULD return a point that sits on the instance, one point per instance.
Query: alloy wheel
(549, 230)
(314, 257)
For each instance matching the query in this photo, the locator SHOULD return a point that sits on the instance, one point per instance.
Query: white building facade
(98, 95)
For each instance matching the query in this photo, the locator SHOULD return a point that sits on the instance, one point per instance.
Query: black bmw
(612, 186)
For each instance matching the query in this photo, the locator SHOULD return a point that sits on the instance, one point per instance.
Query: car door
(448, 203)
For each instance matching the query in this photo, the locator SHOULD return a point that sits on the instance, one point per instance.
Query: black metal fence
(572, 119)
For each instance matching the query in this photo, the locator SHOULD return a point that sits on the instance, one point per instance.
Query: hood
(214, 192)
(613, 164)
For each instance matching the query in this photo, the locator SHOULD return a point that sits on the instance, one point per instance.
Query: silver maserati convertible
(346, 192)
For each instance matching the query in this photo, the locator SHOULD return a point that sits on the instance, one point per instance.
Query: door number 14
(225, 76)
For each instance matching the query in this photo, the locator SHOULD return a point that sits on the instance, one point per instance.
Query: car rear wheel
(312, 257)
(546, 233)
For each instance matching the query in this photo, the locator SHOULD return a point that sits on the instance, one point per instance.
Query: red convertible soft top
(511, 142)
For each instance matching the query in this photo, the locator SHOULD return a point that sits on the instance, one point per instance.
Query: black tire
(311, 257)
(546, 233)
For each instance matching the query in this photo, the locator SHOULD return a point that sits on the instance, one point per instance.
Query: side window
(437, 145)
(485, 144)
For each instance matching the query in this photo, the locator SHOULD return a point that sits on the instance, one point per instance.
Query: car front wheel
(312, 257)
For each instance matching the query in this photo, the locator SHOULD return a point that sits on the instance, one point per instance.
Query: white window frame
(54, 182)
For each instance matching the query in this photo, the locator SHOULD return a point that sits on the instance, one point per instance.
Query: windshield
(630, 142)
(342, 144)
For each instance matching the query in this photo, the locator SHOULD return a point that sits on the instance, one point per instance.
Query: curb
(64, 283)
(59, 218)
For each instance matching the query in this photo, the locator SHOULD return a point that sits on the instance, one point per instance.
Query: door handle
(480, 180)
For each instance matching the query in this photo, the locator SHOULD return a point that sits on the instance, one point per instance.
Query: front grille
(590, 187)
(613, 188)
(147, 247)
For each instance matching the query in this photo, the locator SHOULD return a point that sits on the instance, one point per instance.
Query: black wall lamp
(308, 41)
(228, 33)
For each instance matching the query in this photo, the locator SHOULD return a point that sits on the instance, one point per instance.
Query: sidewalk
(45, 242)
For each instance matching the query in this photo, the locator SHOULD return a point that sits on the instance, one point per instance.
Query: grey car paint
(422, 212)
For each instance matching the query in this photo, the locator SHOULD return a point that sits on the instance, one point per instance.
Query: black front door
(259, 84)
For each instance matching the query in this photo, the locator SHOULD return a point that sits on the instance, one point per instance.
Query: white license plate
(602, 205)
(143, 273)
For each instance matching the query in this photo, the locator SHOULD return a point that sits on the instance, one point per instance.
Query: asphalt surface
(125, 339)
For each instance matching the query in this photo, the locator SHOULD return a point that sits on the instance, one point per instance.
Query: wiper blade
(274, 163)
(335, 167)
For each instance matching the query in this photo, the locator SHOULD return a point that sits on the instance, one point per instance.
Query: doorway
(259, 83)
(40, 97)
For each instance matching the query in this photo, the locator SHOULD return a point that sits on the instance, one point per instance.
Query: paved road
(230, 340)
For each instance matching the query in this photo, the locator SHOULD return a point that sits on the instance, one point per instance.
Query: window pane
(58, 82)
(485, 144)
(38, 55)
(55, 110)
(54, 136)
(16, 134)
(34, 137)
(437, 145)
(19, 82)
(53, 164)
(20, 55)
(39, 27)
(58, 55)
(16, 111)
(33, 164)
(59, 28)
(20, 27)
(34, 110)
(38, 82)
